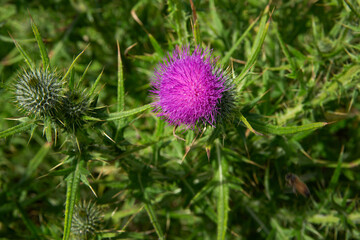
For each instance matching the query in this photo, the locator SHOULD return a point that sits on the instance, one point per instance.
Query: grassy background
(308, 71)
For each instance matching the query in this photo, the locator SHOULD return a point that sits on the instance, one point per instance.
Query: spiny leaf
(26, 57)
(277, 130)
(124, 114)
(72, 80)
(236, 45)
(18, 128)
(120, 87)
(83, 75)
(93, 87)
(247, 124)
(150, 211)
(72, 189)
(43, 52)
(259, 40)
(73, 63)
(37, 159)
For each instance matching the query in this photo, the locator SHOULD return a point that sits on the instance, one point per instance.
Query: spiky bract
(76, 105)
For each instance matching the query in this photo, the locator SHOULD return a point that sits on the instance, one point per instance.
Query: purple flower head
(188, 88)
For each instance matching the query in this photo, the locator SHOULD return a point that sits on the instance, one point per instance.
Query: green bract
(39, 92)
(86, 220)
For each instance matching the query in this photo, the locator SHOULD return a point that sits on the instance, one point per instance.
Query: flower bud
(38, 92)
(86, 220)
(75, 106)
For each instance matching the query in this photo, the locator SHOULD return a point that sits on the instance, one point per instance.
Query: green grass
(296, 66)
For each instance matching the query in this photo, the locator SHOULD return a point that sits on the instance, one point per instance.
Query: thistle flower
(38, 92)
(190, 90)
(86, 220)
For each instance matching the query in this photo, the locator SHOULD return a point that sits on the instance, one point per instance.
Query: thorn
(187, 150)
(103, 132)
(78, 144)
(92, 190)
(208, 151)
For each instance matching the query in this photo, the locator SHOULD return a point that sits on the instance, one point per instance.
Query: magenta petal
(187, 88)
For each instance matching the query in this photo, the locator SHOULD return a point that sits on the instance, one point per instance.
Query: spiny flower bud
(75, 106)
(38, 92)
(86, 220)
(190, 90)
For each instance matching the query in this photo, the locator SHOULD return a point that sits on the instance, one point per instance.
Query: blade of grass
(83, 75)
(156, 46)
(124, 114)
(72, 80)
(72, 188)
(257, 219)
(196, 28)
(150, 211)
(217, 24)
(203, 192)
(236, 45)
(93, 87)
(138, 148)
(26, 57)
(266, 181)
(176, 15)
(37, 159)
(335, 177)
(27, 221)
(197, 36)
(285, 49)
(43, 52)
(158, 133)
(73, 63)
(17, 129)
(353, 9)
(259, 40)
(329, 164)
(223, 196)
